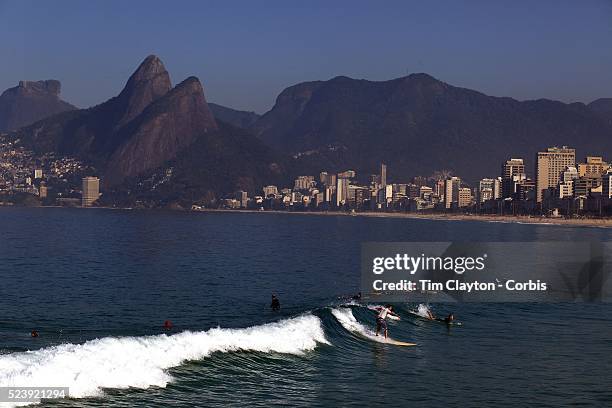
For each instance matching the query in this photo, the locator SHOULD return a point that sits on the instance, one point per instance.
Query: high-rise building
(497, 188)
(270, 191)
(342, 187)
(361, 195)
(570, 174)
(91, 191)
(304, 183)
(439, 188)
(593, 167)
(383, 175)
(486, 189)
(525, 190)
(550, 166)
(451, 191)
(243, 198)
(401, 189)
(42, 190)
(512, 167)
(606, 190)
(348, 174)
(464, 197)
(425, 192)
(513, 172)
(584, 185)
(328, 180)
(566, 189)
(413, 191)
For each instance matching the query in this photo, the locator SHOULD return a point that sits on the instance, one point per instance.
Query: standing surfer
(381, 318)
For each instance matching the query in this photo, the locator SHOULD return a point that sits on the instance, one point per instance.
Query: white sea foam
(141, 362)
(423, 310)
(345, 317)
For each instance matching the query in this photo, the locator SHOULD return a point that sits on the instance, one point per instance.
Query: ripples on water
(80, 275)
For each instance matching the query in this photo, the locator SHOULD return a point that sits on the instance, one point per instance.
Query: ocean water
(98, 285)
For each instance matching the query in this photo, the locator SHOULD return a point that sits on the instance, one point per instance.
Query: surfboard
(388, 340)
(414, 313)
(398, 343)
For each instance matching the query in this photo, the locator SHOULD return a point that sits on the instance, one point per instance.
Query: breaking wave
(346, 318)
(141, 362)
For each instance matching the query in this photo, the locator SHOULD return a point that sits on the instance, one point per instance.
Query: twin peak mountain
(146, 126)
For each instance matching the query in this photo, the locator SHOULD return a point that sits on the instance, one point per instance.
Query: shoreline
(504, 219)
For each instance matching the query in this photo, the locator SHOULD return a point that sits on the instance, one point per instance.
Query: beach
(518, 219)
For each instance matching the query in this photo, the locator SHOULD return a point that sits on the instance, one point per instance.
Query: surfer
(275, 305)
(381, 318)
(449, 319)
(425, 312)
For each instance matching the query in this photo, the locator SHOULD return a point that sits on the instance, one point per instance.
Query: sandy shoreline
(572, 222)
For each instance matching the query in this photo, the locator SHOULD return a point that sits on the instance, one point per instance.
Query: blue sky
(246, 52)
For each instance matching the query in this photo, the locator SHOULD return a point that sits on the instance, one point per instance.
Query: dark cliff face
(150, 82)
(29, 102)
(94, 133)
(418, 124)
(145, 125)
(164, 128)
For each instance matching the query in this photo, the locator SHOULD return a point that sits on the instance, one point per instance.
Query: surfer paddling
(381, 318)
(275, 305)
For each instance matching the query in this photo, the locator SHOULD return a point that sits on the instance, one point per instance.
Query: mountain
(94, 133)
(602, 107)
(149, 125)
(418, 124)
(218, 163)
(161, 131)
(240, 119)
(30, 101)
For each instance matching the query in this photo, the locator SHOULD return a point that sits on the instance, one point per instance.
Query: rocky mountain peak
(49, 87)
(148, 83)
(29, 102)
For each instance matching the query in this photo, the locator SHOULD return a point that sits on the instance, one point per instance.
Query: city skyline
(558, 178)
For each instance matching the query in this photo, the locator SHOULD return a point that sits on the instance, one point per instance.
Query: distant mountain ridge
(418, 124)
(241, 119)
(30, 101)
